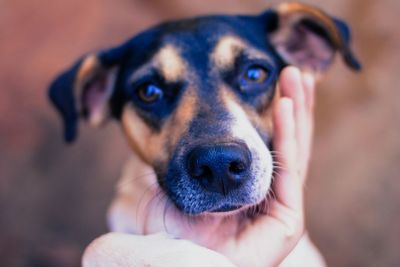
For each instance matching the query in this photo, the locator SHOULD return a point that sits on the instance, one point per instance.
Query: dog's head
(194, 97)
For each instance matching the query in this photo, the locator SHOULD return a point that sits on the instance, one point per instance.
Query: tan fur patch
(89, 68)
(152, 146)
(170, 63)
(262, 121)
(138, 134)
(178, 123)
(287, 10)
(226, 50)
(292, 13)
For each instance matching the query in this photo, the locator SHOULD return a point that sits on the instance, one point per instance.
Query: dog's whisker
(140, 202)
(278, 165)
(160, 198)
(272, 194)
(277, 168)
(276, 152)
(145, 192)
(135, 178)
(166, 206)
(266, 205)
(189, 222)
(277, 162)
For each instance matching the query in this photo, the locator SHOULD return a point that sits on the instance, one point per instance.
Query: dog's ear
(307, 37)
(86, 88)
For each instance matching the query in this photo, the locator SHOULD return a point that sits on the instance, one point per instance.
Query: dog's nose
(220, 167)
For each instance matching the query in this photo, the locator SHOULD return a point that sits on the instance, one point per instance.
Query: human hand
(156, 250)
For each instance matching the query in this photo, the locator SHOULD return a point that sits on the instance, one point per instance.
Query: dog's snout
(220, 167)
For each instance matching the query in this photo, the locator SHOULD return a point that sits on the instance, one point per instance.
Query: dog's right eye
(149, 93)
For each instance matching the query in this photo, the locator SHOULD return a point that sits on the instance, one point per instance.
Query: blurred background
(53, 197)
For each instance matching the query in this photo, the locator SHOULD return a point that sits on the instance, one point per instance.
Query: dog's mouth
(227, 208)
(249, 210)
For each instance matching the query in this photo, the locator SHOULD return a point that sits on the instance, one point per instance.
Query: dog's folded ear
(307, 37)
(85, 89)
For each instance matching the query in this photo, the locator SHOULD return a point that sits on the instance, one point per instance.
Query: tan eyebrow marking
(170, 63)
(226, 50)
(235, 108)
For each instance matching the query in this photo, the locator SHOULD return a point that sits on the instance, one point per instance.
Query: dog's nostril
(237, 167)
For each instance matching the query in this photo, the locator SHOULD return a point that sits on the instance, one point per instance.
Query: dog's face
(194, 97)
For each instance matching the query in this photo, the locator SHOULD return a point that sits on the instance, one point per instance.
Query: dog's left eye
(255, 74)
(253, 77)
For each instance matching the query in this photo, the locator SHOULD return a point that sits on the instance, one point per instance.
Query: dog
(194, 100)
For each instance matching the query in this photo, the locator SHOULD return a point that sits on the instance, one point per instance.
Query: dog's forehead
(206, 31)
(195, 40)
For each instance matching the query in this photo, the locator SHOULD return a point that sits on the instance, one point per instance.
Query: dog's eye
(255, 78)
(149, 93)
(255, 74)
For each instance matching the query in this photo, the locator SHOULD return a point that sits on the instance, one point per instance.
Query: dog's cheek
(266, 120)
(177, 125)
(157, 147)
(148, 144)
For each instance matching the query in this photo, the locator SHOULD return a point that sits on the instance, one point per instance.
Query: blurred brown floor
(53, 198)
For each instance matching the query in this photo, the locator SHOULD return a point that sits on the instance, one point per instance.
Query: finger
(284, 138)
(287, 186)
(308, 82)
(300, 87)
(307, 126)
(291, 84)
